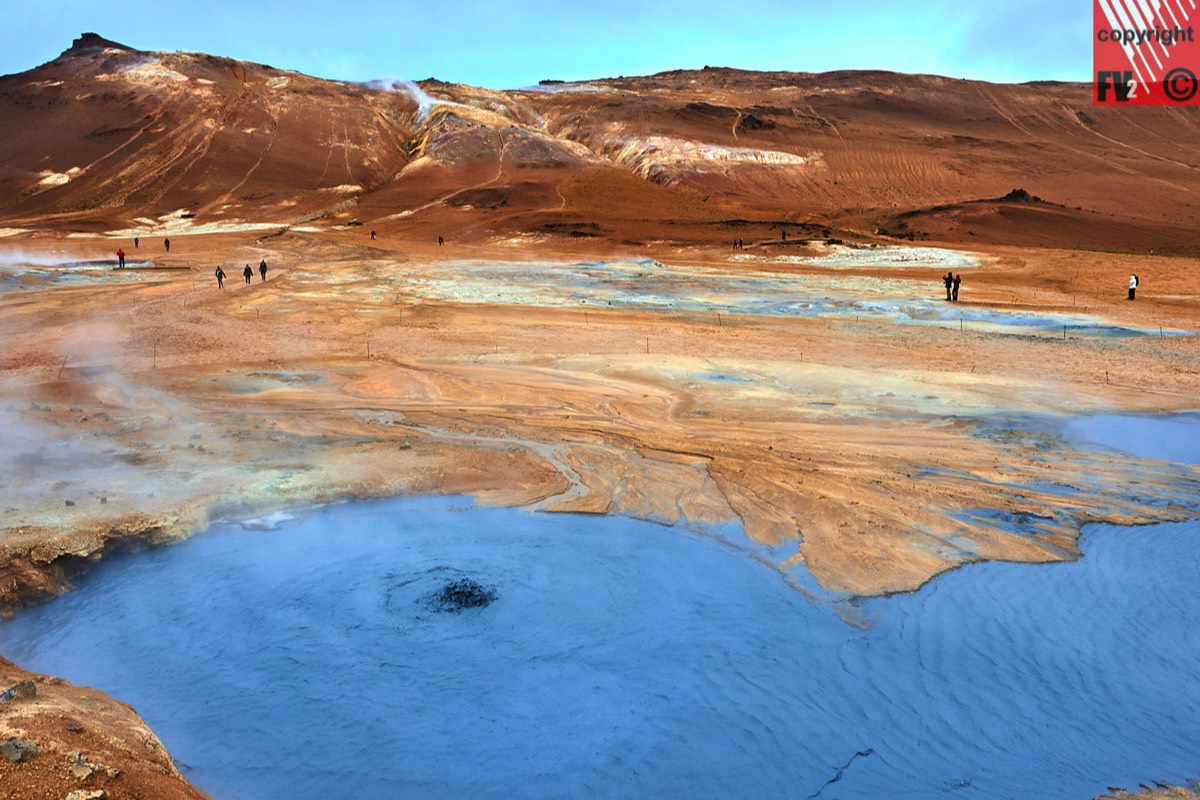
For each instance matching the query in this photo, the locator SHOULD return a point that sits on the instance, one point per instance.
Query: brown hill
(107, 137)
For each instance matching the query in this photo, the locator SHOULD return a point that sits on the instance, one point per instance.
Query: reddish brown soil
(86, 743)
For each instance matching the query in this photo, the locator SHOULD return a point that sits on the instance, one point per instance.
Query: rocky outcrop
(59, 740)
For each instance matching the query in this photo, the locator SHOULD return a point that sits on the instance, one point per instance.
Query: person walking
(135, 242)
(220, 273)
(1133, 284)
(167, 244)
(120, 258)
(441, 241)
(247, 273)
(948, 280)
(262, 269)
(372, 236)
(957, 281)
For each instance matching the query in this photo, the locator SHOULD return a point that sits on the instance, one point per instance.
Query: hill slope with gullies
(107, 138)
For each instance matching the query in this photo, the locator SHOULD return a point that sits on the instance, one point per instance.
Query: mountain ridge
(107, 137)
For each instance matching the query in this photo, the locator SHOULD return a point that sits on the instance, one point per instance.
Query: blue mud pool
(619, 658)
(649, 285)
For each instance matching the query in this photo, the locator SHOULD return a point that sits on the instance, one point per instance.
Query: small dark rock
(74, 725)
(460, 594)
(69, 502)
(18, 750)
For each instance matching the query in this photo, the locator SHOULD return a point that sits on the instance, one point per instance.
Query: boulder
(18, 750)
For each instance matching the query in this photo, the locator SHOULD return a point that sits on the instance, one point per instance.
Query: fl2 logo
(1178, 85)
(1145, 53)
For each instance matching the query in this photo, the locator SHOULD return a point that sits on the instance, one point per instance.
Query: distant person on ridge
(220, 273)
(949, 281)
(785, 235)
(1133, 283)
(262, 269)
(247, 273)
(135, 242)
(441, 241)
(120, 258)
(372, 236)
(167, 244)
(957, 281)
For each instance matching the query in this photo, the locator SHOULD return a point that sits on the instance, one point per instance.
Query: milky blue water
(622, 658)
(649, 285)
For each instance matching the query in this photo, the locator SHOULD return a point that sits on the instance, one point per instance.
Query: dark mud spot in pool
(460, 595)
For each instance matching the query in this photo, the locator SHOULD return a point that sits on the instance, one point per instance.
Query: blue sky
(511, 44)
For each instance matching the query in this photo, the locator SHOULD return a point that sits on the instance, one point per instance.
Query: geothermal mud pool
(22, 276)
(299, 657)
(649, 285)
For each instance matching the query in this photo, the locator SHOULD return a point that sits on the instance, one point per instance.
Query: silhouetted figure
(220, 273)
(1133, 284)
(441, 241)
(135, 242)
(785, 235)
(949, 281)
(167, 244)
(262, 269)
(120, 258)
(247, 273)
(735, 244)
(372, 236)
(741, 244)
(957, 281)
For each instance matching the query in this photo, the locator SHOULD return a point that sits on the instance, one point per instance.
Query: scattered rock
(84, 794)
(78, 766)
(1021, 196)
(24, 690)
(82, 768)
(18, 750)
(69, 502)
(460, 594)
(74, 725)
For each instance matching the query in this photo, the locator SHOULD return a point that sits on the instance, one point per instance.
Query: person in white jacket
(1133, 282)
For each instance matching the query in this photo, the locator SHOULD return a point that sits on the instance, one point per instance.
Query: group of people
(952, 282)
(137, 240)
(737, 244)
(247, 273)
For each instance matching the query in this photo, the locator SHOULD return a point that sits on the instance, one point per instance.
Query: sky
(506, 45)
